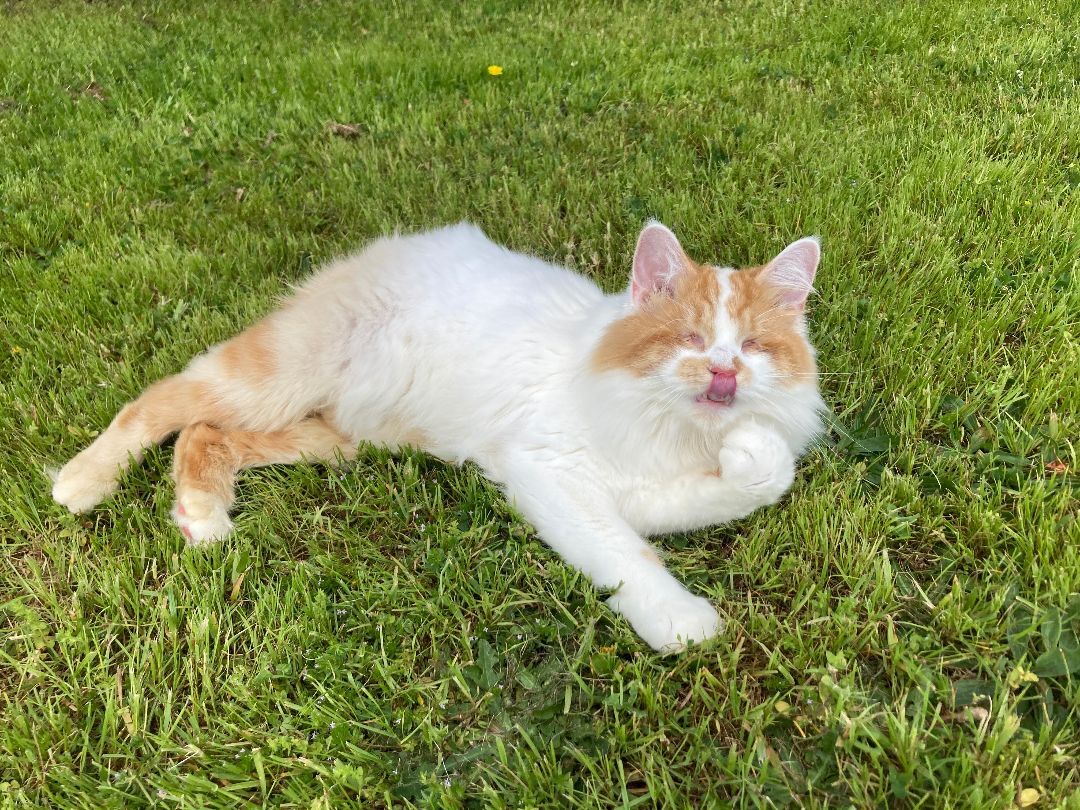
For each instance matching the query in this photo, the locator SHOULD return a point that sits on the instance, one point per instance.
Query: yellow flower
(1028, 797)
(494, 70)
(1019, 676)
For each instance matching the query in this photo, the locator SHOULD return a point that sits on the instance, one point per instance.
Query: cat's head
(713, 344)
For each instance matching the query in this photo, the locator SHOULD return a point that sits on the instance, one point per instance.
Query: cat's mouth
(713, 400)
(721, 390)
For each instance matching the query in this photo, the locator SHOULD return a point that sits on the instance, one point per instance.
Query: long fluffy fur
(446, 341)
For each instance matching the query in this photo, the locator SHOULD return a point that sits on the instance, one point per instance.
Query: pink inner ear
(793, 271)
(658, 259)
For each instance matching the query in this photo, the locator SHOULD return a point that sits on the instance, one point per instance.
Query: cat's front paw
(82, 484)
(667, 619)
(757, 460)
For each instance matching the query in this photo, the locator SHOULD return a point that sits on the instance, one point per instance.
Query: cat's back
(465, 273)
(447, 330)
(452, 272)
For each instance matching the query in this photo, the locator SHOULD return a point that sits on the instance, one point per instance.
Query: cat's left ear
(658, 260)
(792, 272)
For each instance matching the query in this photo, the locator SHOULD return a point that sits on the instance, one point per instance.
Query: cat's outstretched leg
(258, 380)
(582, 523)
(165, 407)
(207, 459)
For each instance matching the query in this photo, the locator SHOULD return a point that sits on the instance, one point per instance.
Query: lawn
(902, 629)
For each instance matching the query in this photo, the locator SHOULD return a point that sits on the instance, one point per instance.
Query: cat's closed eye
(751, 345)
(694, 339)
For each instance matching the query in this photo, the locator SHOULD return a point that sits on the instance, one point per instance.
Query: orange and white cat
(678, 404)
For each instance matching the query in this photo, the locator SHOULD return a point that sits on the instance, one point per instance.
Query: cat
(677, 404)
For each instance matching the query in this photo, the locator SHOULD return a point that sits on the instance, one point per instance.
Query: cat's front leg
(757, 464)
(665, 614)
(581, 522)
(755, 467)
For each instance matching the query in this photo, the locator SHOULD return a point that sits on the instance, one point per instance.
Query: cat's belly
(410, 403)
(461, 400)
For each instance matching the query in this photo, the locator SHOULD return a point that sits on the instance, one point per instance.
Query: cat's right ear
(658, 260)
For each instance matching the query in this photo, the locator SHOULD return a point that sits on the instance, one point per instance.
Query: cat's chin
(707, 412)
(704, 401)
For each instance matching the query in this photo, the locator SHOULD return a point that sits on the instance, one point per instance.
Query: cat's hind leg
(165, 407)
(266, 378)
(207, 459)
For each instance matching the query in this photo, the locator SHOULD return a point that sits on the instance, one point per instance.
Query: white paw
(667, 618)
(202, 518)
(81, 485)
(758, 460)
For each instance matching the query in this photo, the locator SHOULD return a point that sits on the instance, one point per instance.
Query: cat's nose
(723, 385)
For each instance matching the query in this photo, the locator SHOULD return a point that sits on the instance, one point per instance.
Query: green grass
(394, 635)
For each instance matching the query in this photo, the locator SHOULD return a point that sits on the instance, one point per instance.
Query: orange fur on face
(643, 341)
(754, 305)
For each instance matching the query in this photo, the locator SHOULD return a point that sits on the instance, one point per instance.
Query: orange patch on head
(250, 355)
(755, 307)
(644, 340)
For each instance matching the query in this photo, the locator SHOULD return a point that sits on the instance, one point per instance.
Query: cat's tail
(244, 383)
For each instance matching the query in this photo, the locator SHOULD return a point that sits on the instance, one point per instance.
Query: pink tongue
(722, 388)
